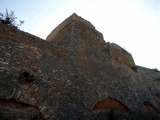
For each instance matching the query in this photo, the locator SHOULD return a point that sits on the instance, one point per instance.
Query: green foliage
(10, 19)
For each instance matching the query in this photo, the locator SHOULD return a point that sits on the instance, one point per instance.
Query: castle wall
(70, 75)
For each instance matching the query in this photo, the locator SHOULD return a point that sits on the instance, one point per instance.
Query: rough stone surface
(73, 75)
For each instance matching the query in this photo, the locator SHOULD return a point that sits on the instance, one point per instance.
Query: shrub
(10, 19)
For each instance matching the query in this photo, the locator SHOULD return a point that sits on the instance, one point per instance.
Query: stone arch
(111, 104)
(148, 107)
(19, 109)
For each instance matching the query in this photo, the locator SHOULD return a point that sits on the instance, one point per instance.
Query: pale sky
(132, 24)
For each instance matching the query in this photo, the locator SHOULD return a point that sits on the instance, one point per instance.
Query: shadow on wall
(111, 104)
(148, 107)
(12, 103)
(26, 77)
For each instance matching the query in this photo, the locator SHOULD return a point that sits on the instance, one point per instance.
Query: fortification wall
(75, 77)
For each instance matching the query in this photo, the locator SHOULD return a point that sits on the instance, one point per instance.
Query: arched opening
(18, 109)
(111, 104)
(148, 107)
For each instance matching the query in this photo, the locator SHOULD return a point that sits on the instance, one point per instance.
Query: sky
(132, 24)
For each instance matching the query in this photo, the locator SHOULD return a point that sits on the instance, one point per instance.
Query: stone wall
(120, 56)
(22, 79)
(72, 75)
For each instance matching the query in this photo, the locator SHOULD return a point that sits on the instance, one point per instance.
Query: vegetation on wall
(10, 19)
